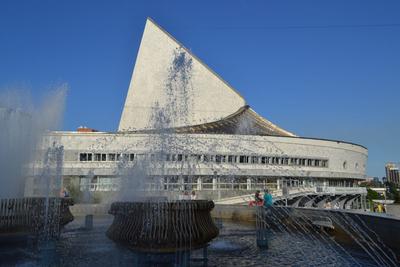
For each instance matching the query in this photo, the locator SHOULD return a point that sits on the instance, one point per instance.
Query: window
(243, 159)
(212, 158)
(275, 160)
(94, 179)
(285, 161)
(218, 158)
(345, 165)
(111, 157)
(83, 157)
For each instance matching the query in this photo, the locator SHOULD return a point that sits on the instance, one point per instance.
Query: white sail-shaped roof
(171, 88)
(202, 95)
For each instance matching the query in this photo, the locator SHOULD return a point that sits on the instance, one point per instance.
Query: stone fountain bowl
(162, 227)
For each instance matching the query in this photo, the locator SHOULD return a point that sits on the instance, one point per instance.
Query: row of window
(244, 159)
(105, 157)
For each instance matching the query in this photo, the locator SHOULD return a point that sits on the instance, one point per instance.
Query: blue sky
(328, 69)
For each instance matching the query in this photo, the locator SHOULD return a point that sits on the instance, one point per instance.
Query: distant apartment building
(392, 173)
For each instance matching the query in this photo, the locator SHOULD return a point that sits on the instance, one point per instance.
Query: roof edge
(149, 19)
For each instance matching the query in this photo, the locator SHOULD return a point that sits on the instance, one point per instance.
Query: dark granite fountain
(163, 227)
(35, 216)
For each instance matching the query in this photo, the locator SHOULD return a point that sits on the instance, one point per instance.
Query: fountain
(44, 214)
(34, 215)
(162, 227)
(167, 229)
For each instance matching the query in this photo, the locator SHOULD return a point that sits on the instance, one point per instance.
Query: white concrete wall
(335, 152)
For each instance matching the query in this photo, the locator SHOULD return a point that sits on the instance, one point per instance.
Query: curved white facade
(343, 160)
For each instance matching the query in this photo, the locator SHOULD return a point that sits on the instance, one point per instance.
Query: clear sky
(328, 69)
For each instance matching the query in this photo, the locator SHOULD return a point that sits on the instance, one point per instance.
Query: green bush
(74, 192)
(393, 192)
(371, 195)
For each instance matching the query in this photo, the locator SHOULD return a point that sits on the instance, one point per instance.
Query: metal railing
(115, 186)
(100, 187)
(341, 190)
(225, 186)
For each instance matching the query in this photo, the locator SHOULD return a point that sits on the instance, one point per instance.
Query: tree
(393, 192)
(371, 195)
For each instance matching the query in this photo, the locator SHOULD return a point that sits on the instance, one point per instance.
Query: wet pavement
(235, 246)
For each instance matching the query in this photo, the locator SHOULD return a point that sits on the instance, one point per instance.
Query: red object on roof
(84, 129)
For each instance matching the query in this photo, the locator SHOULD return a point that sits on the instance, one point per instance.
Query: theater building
(185, 128)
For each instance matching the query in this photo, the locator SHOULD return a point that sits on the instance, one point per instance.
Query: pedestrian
(268, 201)
(193, 196)
(257, 198)
(380, 208)
(62, 192)
(66, 193)
(186, 196)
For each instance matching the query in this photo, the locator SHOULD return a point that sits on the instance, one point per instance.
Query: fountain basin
(34, 215)
(162, 227)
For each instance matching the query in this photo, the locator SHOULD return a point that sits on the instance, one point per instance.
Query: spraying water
(22, 125)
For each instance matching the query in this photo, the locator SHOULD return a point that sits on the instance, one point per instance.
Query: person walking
(268, 201)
